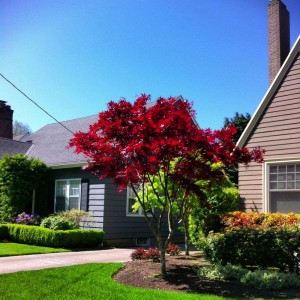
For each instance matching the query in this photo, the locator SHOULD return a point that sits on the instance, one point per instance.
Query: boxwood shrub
(36, 235)
(259, 247)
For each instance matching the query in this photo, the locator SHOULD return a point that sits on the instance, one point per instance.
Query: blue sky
(72, 57)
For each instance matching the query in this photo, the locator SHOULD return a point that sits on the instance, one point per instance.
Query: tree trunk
(187, 243)
(162, 249)
(163, 267)
(186, 236)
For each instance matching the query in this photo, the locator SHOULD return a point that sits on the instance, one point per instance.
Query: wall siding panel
(117, 225)
(278, 131)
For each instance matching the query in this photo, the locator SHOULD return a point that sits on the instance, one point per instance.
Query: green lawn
(90, 281)
(10, 249)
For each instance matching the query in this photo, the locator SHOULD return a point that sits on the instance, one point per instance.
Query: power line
(36, 104)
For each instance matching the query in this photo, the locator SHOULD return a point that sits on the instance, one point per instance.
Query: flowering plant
(27, 219)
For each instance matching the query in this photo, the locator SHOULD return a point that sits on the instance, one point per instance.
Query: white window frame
(68, 191)
(266, 191)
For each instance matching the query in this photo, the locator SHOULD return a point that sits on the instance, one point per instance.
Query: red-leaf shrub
(258, 220)
(237, 220)
(173, 249)
(141, 253)
(138, 254)
(152, 254)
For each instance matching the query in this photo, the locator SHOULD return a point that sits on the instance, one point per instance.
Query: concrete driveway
(52, 260)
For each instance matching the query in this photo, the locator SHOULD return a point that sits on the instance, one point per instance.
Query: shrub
(27, 219)
(59, 223)
(268, 279)
(173, 249)
(271, 247)
(76, 216)
(19, 176)
(138, 254)
(228, 272)
(36, 235)
(151, 254)
(240, 219)
(222, 199)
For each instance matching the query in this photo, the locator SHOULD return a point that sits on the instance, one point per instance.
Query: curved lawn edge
(16, 249)
(87, 281)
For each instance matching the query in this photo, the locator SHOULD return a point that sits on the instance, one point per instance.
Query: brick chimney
(6, 120)
(279, 36)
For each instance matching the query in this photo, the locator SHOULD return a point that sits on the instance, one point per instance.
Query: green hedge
(258, 247)
(35, 235)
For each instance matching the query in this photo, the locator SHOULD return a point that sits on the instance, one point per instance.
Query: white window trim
(266, 191)
(68, 191)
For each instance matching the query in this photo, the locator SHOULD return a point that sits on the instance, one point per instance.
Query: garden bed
(182, 277)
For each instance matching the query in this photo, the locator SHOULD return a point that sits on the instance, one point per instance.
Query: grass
(89, 281)
(11, 249)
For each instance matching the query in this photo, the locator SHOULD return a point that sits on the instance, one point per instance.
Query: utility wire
(36, 104)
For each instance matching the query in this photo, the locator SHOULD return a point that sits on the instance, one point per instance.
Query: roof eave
(269, 94)
(67, 166)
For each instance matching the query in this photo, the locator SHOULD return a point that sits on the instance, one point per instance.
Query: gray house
(274, 186)
(71, 187)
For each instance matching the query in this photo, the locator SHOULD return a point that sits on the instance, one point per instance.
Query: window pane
(282, 169)
(73, 203)
(297, 176)
(74, 187)
(298, 185)
(281, 185)
(273, 185)
(285, 202)
(281, 177)
(298, 168)
(67, 194)
(273, 177)
(291, 168)
(290, 177)
(61, 188)
(290, 185)
(273, 169)
(131, 201)
(61, 195)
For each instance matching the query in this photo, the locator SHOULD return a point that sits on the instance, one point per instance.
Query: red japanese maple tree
(132, 143)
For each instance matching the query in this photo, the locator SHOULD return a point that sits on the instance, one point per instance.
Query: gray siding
(96, 203)
(278, 132)
(106, 204)
(116, 224)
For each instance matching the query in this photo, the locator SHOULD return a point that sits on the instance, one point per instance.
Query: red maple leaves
(132, 141)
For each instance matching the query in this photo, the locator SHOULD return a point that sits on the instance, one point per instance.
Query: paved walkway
(52, 260)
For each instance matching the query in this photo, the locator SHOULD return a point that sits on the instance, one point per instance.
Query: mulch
(182, 277)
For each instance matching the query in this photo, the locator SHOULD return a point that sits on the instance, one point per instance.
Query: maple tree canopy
(131, 142)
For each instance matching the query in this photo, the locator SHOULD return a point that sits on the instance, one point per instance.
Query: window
(67, 194)
(284, 188)
(130, 201)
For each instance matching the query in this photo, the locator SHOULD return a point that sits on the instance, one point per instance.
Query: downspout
(33, 201)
